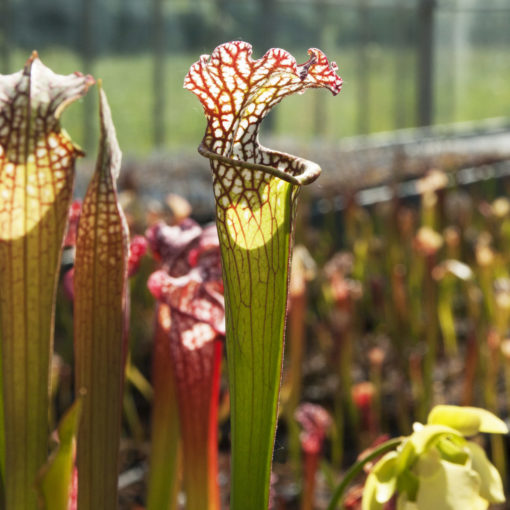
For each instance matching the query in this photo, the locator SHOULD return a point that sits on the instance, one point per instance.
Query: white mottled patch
(213, 89)
(230, 173)
(244, 67)
(238, 96)
(61, 151)
(9, 169)
(265, 96)
(227, 121)
(226, 57)
(259, 109)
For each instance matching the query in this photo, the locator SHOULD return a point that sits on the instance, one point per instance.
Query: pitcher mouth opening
(307, 171)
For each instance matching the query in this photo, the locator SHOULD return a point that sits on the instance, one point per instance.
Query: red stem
(310, 470)
(214, 494)
(197, 372)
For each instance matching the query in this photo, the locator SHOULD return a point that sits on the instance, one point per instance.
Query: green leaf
(255, 191)
(404, 504)
(407, 455)
(451, 487)
(369, 501)
(408, 484)
(138, 380)
(54, 480)
(491, 485)
(427, 436)
(467, 420)
(356, 469)
(452, 452)
(428, 463)
(423, 438)
(386, 476)
(36, 183)
(100, 285)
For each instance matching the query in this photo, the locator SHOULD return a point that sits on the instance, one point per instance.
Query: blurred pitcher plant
(315, 422)
(36, 184)
(190, 288)
(36, 181)
(303, 270)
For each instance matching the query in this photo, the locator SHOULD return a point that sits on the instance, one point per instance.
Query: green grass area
(476, 88)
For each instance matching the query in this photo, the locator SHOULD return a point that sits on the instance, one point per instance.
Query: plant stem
(197, 375)
(296, 330)
(100, 311)
(311, 463)
(357, 468)
(164, 460)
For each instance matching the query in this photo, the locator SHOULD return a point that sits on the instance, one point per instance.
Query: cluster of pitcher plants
(222, 289)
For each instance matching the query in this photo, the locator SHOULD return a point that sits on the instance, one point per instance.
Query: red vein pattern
(255, 206)
(190, 285)
(237, 92)
(100, 307)
(36, 183)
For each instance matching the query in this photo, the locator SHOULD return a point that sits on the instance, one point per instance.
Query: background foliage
(148, 46)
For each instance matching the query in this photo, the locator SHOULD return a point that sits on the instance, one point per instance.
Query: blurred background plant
(407, 278)
(409, 62)
(396, 369)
